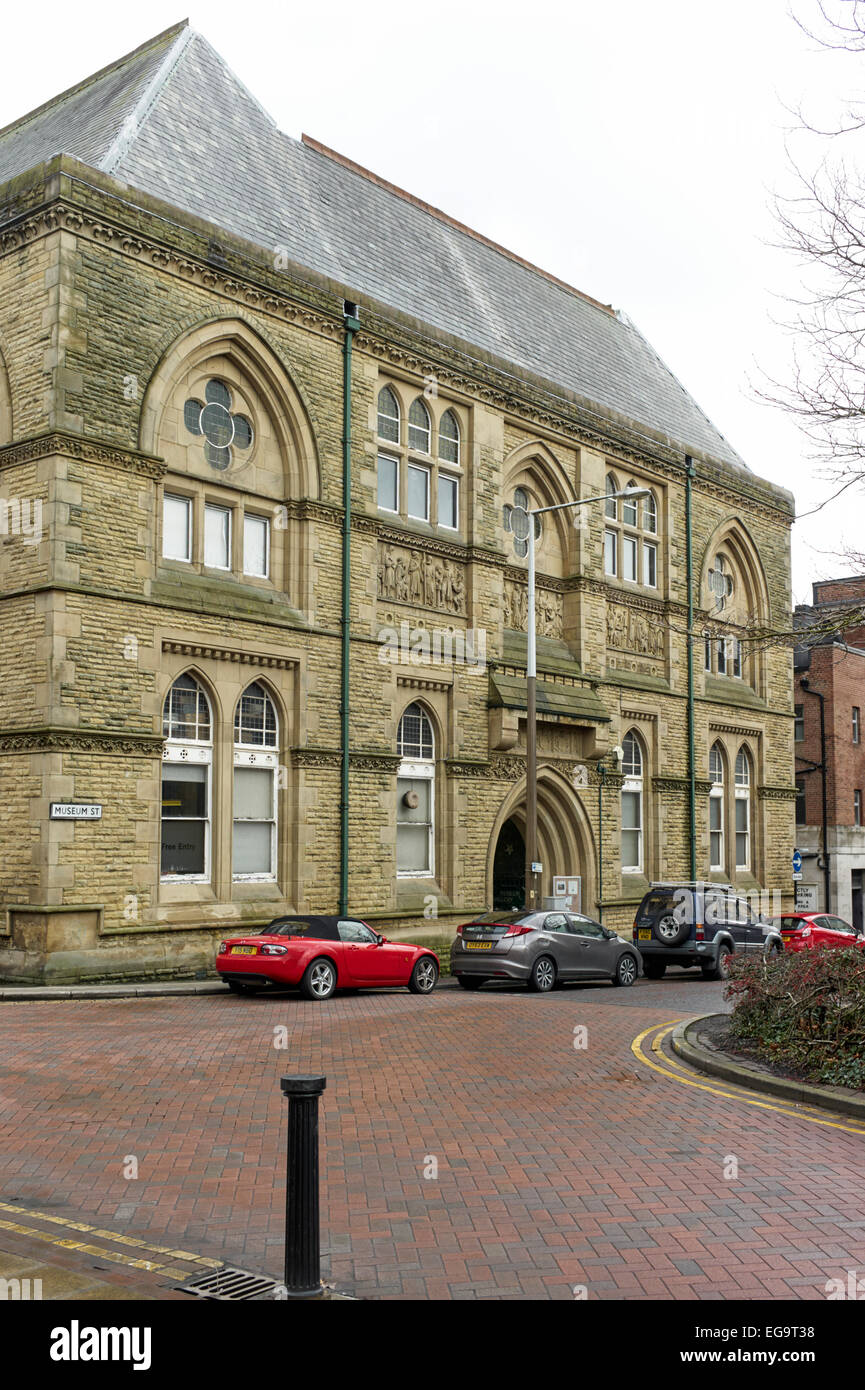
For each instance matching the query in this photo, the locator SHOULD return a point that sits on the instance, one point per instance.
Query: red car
(322, 954)
(805, 931)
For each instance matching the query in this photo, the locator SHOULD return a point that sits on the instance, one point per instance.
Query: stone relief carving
(413, 576)
(548, 610)
(633, 631)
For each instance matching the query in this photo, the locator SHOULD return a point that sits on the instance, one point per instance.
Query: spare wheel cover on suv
(668, 931)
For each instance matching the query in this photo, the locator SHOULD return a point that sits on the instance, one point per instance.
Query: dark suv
(701, 924)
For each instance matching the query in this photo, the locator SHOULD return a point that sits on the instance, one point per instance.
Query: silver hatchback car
(539, 949)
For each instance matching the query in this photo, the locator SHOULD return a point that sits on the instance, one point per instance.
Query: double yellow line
(117, 1256)
(674, 1070)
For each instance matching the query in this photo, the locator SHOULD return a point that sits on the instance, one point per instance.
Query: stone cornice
(55, 740)
(78, 447)
(767, 793)
(65, 215)
(199, 650)
(740, 730)
(362, 761)
(680, 785)
(316, 757)
(418, 683)
(306, 509)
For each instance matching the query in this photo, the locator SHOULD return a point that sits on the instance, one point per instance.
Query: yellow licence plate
(243, 950)
(644, 935)
(479, 945)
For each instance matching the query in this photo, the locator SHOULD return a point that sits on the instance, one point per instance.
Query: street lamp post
(522, 525)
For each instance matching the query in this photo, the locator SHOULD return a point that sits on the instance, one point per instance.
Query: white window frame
(388, 458)
(424, 469)
(451, 463)
(742, 795)
(417, 772)
(260, 756)
(191, 754)
(633, 785)
(224, 511)
(630, 549)
(650, 550)
(188, 504)
(455, 483)
(716, 796)
(611, 551)
(265, 521)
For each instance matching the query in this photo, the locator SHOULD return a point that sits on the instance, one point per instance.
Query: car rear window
(321, 928)
(658, 904)
(788, 923)
(498, 922)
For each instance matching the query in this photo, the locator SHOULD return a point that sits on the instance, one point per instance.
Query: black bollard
(302, 1253)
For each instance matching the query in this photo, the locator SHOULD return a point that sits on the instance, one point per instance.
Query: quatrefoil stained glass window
(521, 502)
(213, 420)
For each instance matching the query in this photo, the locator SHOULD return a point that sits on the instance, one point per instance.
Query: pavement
(495, 1145)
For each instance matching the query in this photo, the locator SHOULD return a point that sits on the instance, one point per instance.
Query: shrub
(803, 1011)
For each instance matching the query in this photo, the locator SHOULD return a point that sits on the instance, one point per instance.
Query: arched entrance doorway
(509, 868)
(565, 842)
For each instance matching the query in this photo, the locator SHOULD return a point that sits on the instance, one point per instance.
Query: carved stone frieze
(548, 610)
(631, 631)
(413, 576)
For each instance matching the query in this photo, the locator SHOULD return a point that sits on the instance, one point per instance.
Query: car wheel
(626, 970)
(721, 969)
(319, 981)
(543, 975)
(237, 987)
(424, 976)
(469, 981)
(669, 931)
(654, 970)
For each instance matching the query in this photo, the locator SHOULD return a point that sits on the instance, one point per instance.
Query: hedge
(804, 1012)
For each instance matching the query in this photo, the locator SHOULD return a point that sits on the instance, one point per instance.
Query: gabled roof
(172, 120)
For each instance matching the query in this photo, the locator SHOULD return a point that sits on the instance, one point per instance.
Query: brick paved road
(556, 1167)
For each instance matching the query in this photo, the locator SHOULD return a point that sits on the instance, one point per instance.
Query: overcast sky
(630, 148)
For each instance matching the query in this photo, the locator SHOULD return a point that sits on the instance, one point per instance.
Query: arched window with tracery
(256, 742)
(632, 804)
(742, 800)
(415, 820)
(716, 807)
(187, 760)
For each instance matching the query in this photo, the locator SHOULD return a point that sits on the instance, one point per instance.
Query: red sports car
(323, 954)
(805, 931)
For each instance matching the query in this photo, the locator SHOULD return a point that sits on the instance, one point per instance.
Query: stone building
(830, 680)
(174, 280)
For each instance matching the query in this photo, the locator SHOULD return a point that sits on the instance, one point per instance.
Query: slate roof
(172, 120)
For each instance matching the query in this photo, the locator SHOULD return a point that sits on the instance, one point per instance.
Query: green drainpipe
(352, 324)
(689, 569)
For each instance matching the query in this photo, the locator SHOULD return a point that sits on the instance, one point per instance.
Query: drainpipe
(601, 775)
(689, 569)
(805, 684)
(352, 324)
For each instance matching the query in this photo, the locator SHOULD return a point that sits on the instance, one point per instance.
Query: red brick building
(829, 675)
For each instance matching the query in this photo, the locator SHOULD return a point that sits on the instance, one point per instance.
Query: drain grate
(234, 1285)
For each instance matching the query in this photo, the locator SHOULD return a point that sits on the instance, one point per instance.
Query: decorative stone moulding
(86, 450)
(50, 740)
(199, 651)
(413, 576)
